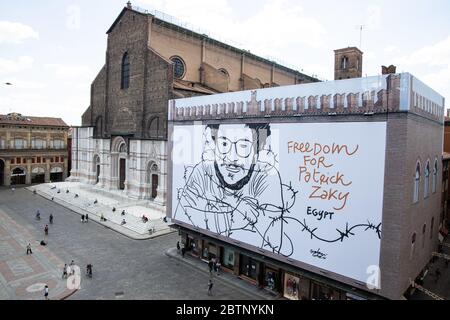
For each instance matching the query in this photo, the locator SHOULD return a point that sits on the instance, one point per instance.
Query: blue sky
(52, 50)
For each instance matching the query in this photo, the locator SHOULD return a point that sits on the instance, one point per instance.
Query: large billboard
(311, 192)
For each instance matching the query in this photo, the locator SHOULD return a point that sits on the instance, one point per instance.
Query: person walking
(50, 219)
(183, 251)
(46, 292)
(178, 246)
(217, 267)
(29, 249)
(87, 217)
(211, 266)
(46, 229)
(64, 274)
(82, 218)
(210, 286)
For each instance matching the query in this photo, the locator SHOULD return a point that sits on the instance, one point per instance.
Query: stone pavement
(441, 285)
(124, 268)
(224, 277)
(22, 276)
(105, 202)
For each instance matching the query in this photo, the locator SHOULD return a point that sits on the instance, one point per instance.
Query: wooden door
(122, 174)
(154, 185)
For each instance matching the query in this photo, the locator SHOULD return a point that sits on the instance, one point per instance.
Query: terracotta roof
(191, 86)
(17, 118)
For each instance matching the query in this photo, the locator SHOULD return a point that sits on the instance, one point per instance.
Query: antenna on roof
(360, 27)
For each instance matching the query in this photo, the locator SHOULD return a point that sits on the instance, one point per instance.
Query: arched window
(424, 230)
(225, 72)
(98, 129)
(416, 184)
(20, 143)
(179, 68)
(426, 189)
(413, 245)
(57, 144)
(38, 143)
(2, 145)
(435, 171)
(344, 63)
(153, 128)
(432, 228)
(125, 79)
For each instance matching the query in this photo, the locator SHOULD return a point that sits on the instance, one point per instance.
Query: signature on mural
(237, 191)
(318, 254)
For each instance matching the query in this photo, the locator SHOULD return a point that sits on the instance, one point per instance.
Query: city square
(144, 158)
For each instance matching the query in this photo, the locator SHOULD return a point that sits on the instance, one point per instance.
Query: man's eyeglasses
(243, 147)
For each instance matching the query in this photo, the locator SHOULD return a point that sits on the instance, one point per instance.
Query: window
(125, 78)
(178, 67)
(416, 184)
(2, 144)
(225, 72)
(58, 144)
(13, 161)
(424, 230)
(38, 159)
(413, 245)
(38, 144)
(426, 189)
(431, 228)
(344, 63)
(20, 143)
(435, 171)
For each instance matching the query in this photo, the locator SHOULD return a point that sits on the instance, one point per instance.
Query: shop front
(227, 259)
(249, 268)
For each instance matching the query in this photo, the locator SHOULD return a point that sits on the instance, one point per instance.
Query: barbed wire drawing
(237, 191)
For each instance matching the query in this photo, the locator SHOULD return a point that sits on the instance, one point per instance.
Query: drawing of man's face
(235, 155)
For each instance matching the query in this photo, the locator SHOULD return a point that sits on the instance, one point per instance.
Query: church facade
(122, 143)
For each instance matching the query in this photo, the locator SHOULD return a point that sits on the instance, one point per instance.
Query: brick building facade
(32, 149)
(411, 205)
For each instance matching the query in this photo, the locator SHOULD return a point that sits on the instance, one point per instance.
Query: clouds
(434, 63)
(266, 29)
(15, 32)
(434, 55)
(11, 66)
(68, 71)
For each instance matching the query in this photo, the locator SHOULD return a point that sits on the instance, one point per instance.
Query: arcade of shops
(276, 277)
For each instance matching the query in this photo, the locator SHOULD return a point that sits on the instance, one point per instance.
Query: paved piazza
(122, 268)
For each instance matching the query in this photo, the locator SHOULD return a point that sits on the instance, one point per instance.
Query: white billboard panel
(312, 192)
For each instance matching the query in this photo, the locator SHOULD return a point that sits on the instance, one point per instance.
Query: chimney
(388, 70)
(129, 5)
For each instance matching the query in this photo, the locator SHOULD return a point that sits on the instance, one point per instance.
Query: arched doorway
(2, 172)
(18, 176)
(153, 179)
(56, 174)
(38, 175)
(97, 168)
(119, 154)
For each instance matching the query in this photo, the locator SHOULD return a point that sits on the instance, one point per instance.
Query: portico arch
(2, 172)
(18, 176)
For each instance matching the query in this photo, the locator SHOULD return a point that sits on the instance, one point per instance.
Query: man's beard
(237, 185)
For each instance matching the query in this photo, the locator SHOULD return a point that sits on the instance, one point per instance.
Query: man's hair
(261, 131)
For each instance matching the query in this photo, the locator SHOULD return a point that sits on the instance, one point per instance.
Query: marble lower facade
(130, 167)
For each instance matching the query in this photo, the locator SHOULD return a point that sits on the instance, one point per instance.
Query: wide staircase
(96, 202)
